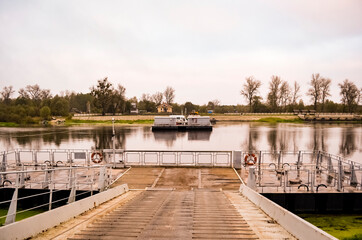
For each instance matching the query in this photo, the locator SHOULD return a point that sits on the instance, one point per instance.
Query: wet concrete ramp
(163, 214)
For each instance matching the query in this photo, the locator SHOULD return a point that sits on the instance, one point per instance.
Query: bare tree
(216, 102)
(169, 94)
(350, 95)
(285, 94)
(250, 89)
(315, 90)
(325, 90)
(23, 93)
(36, 93)
(146, 97)
(274, 93)
(157, 98)
(6, 93)
(295, 93)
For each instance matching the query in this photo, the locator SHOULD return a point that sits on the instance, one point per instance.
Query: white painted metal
(196, 120)
(251, 178)
(165, 121)
(10, 217)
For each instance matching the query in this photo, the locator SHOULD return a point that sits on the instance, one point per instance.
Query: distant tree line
(34, 103)
(285, 98)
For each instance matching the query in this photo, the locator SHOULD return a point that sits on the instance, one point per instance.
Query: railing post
(17, 158)
(318, 160)
(298, 164)
(354, 181)
(92, 181)
(52, 157)
(312, 177)
(330, 164)
(46, 178)
(3, 168)
(279, 158)
(73, 190)
(285, 180)
(10, 217)
(251, 178)
(102, 178)
(51, 186)
(70, 173)
(340, 173)
(22, 178)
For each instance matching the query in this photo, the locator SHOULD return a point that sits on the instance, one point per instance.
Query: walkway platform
(200, 203)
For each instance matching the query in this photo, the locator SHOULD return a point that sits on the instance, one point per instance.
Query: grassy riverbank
(280, 120)
(106, 122)
(149, 119)
(346, 227)
(19, 216)
(9, 124)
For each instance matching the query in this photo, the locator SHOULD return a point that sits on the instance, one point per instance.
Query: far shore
(149, 119)
(218, 118)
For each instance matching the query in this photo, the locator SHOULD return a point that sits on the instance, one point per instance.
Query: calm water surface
(340, 139)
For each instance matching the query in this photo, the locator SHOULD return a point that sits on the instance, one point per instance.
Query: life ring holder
(97, 157)
(250, 159)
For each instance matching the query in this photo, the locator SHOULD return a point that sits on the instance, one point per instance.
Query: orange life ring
(96, 157)
(250, 159)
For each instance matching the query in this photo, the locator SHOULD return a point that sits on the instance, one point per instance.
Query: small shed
(164, 108)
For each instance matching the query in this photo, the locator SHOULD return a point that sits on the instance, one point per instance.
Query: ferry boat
(180, 123)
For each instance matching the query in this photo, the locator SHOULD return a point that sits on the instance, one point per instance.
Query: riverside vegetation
(34, 105)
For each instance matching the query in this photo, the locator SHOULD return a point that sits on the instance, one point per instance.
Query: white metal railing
(85, 180)
(309, 170)
(178, 158)
(313, 168)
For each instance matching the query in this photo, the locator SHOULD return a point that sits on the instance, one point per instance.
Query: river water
(340, 139)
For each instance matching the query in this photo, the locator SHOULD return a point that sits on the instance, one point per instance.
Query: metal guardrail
(311, 171)
(81, 157)
(178, 158)
(313, 167)
(88, 179)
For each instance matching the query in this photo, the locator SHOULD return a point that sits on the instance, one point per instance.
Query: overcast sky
(203, 49)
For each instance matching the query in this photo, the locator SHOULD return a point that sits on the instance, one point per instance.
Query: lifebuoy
(250, 159)
(96, 157)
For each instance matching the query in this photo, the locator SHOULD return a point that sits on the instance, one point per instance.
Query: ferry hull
(182, 128)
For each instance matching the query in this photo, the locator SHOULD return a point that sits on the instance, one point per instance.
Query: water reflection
(199, 135)
(252, 140)
(343, 139)
(348, 142)
(272, 138)
(169, 137)
(318, 139)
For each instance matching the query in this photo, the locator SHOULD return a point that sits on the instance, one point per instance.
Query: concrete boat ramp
(176, 203)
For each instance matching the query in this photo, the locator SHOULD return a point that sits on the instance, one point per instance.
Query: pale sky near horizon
(203, 49)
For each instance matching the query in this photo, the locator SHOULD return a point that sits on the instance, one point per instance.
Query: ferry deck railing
(275, 170)
(80, 181)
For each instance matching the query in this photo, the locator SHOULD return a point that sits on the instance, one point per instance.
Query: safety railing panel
(169, 158)
(187, 159)
(222, 159)
(205, 159)
(133, 158)
(151, 158)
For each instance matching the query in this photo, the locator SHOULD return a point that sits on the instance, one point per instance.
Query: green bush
(45, 113)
